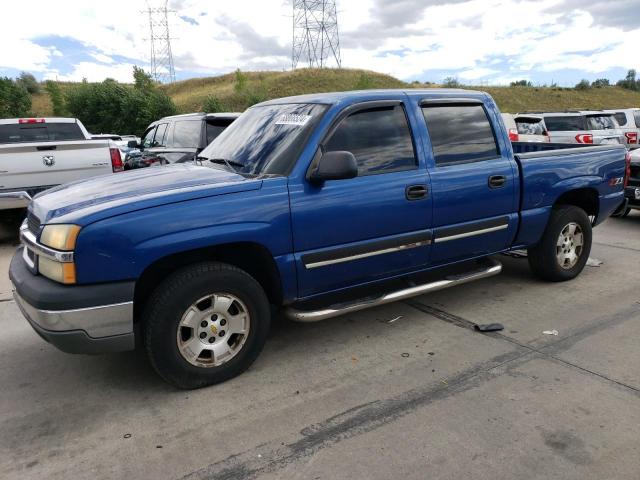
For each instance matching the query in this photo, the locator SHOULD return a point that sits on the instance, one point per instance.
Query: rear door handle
(416, 192)
(497, 181)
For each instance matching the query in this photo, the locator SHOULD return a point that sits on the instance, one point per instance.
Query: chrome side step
(492, 268)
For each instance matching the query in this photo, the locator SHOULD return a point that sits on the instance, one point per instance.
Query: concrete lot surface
(361, 396)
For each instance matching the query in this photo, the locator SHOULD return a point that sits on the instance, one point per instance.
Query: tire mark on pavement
(350, 423)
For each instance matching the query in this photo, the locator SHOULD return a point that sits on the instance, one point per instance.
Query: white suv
(591, 127)
(629, 121)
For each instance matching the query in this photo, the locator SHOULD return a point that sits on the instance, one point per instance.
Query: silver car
(590, 127)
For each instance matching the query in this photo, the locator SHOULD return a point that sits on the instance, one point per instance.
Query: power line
(316, 41)
(162, 69)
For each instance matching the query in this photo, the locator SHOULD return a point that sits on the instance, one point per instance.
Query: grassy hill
(234, 92)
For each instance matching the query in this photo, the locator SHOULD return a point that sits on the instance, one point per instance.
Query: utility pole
(316, 41)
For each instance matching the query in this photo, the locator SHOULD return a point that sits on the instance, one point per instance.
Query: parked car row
(581, 127)
(177, 139)
(301, 204)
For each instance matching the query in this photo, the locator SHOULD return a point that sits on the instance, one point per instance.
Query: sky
(480, 42)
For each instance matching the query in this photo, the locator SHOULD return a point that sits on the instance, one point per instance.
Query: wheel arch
(585, 198)
(253, 258)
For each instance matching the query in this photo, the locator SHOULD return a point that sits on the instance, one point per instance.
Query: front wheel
(565, 246)
(205, 324)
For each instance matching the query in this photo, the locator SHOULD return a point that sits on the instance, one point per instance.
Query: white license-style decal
(293, 119)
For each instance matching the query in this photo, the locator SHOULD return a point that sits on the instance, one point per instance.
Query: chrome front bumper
(93, 330)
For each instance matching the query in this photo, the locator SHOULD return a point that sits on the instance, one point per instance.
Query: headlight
(57, 271)
(60, 237)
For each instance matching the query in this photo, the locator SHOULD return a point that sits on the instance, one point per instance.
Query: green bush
(212, 104)
(365, 82)
(29, 82)
(111, 107)
(15, 100)
(451, 82)
(522, 83)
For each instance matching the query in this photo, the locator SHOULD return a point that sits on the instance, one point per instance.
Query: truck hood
(90, 200)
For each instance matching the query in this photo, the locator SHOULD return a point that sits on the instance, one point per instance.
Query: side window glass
(460, 134)
(147, 139)
(379, 138)
(160, 138)
(621, 117)
(186, 134)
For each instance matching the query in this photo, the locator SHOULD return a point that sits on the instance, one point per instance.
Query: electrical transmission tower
(315, 33)
(161, 57)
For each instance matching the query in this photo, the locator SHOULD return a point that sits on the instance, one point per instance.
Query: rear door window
(601, 122)
(569, 123)
(379, 138)
(215, 127)
(530, 126)
(460, 134)
(40, 132)
(636, 117)
(186, 134)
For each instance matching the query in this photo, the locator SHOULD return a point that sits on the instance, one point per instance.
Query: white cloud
(477, 40)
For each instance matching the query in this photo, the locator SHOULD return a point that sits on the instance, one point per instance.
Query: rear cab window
(379, 138)
(569, 123)
(40, 132)
(460, 134)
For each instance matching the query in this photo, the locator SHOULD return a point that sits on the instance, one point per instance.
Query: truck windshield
(266, 139)
(39, 132)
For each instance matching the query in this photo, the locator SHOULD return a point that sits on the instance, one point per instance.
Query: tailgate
(46, 164)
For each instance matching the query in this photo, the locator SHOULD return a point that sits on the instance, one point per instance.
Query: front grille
(33, 223)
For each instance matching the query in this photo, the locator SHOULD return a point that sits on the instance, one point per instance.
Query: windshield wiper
(230, 164)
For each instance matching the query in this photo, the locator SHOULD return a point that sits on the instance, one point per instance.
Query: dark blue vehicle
(319, 204)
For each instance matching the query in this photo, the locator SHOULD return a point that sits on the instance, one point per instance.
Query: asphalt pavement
(408, 390)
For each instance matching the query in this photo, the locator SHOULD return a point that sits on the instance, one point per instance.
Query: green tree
(522, 83)
(111, 107)
(600, 83)
(630, 82)
(56, 97)
(583, 85)
(29, 82)
(15, 100)
(451, 82)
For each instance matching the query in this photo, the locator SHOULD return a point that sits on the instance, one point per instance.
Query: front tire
(205, 324)
(565, 246)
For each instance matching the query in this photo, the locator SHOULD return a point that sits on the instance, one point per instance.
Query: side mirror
(132, 144)
(335, 166)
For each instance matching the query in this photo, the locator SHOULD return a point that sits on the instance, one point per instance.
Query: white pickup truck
(39, 153)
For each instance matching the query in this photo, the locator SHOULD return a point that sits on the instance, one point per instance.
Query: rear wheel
(205, 324)
(565, 246)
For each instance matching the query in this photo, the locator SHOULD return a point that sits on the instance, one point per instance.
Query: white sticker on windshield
(293, 119)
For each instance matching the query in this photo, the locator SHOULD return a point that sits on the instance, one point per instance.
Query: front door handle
(416, 192)
(497, 181)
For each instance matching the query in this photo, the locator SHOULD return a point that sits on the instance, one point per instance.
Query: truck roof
(337, 97)
(201, 114)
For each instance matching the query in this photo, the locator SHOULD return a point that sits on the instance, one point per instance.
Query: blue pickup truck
(317, 205)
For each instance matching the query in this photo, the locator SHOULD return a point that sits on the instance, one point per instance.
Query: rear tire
(565, 246)
(205, 324)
